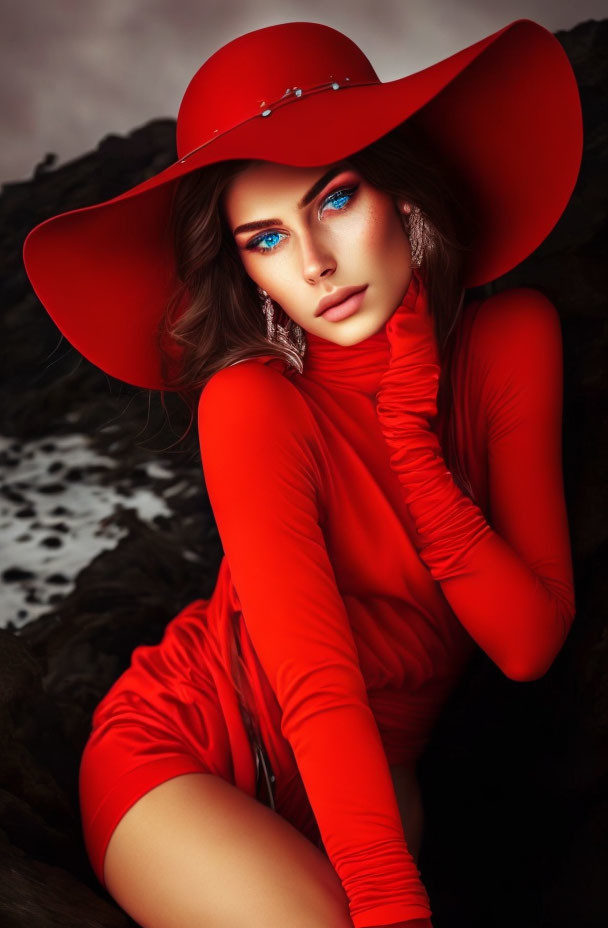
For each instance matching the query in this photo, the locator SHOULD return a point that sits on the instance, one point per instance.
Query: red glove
(448, 522)
(509, 584)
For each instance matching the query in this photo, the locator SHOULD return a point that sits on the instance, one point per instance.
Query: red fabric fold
(448, 523)
(266, 507)
(517, 614)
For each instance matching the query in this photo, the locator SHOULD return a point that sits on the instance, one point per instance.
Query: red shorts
(174, 710)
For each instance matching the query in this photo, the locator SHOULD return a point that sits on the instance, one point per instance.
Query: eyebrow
(316, 188)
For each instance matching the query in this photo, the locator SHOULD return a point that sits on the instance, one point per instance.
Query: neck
(356, 367)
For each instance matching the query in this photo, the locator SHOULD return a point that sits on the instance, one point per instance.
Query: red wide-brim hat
(505, 112)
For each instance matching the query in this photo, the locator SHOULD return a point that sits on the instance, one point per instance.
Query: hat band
(291, 95)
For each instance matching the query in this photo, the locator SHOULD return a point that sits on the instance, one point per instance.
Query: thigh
(137, 743)
(198, 851)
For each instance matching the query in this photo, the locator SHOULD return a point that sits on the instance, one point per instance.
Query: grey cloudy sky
(72, 71)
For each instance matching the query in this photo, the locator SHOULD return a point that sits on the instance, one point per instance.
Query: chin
(355, 329)
(343, 338)
(358, 331)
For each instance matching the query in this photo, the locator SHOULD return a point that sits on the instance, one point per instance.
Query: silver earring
(291, 336)
(419, 233)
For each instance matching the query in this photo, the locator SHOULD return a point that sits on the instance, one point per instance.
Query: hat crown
(497, 111)
(255, 70)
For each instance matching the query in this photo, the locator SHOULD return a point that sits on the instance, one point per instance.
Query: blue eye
(341, 197)
(339, 200)
(262, 238)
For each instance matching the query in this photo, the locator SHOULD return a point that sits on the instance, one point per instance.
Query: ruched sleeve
(263, 476)
(510, 583)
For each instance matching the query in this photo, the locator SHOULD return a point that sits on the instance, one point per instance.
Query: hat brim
(505, 112)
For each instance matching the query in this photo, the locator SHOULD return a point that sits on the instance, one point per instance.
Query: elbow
(524, 668)
(526, 671)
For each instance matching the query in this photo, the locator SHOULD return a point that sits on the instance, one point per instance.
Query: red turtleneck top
(365, 576)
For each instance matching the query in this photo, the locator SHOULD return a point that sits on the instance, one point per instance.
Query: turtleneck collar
(357, 367)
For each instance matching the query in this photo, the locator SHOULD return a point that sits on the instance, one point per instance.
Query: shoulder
(250, 386)
(518, 320)
(253, 400)
(516, 354)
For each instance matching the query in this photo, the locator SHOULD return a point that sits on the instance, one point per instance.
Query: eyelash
(253, 245)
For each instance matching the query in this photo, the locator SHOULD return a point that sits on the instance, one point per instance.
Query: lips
(338, 296)
(346, 308)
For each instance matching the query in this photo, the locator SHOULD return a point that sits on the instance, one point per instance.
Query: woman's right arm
(263, 477)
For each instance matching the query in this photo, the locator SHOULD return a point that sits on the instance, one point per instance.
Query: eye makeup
(344, 192)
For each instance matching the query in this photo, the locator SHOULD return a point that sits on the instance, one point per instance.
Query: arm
(510, 584)
(259, 456)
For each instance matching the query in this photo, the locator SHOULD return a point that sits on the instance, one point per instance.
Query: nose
(318, 260)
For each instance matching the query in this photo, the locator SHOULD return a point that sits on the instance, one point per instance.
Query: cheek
(248, 265)
(260, 272)
(382, 231)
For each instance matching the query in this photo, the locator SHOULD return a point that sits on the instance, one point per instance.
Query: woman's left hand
(447, 522)
(407, 393)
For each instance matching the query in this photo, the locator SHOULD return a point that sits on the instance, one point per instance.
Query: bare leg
(197, 851)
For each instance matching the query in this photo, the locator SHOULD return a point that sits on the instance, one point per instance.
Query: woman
(354, 457)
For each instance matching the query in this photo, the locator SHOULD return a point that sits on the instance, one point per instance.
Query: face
(308, 233)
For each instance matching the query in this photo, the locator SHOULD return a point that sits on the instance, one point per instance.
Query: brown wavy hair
(214, 317)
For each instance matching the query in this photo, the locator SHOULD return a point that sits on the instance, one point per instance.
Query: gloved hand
(509, 584)
(447, 521)
(407, 394)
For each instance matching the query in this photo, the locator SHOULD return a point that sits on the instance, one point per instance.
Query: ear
(403, 206)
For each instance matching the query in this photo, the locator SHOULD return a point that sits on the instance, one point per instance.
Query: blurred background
(105, 526)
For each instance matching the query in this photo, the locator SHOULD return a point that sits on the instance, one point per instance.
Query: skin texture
(196, 850)
(340, 239)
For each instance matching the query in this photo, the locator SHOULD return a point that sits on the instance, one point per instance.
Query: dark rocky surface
(515, 777)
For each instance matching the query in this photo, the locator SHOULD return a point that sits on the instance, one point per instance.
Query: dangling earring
(419, 233)
(291, 336)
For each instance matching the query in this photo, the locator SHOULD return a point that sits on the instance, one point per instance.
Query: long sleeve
(262, 472)
(509, 583)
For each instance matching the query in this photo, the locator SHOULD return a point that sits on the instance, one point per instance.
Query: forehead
(264, 182)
